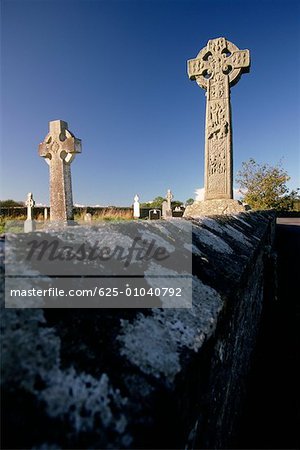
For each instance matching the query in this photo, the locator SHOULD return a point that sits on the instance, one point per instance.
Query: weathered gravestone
(169, 198)
(164, 208)
(178, 211)
(218, 66)
(154, 214)
(136, 207)
(167, 206)
(88, 217)
(29, 224)
(59, 149)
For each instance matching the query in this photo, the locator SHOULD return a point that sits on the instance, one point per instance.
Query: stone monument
(167, 210)
(88, 217)
(164, 209)
(59, 149)
(154, 214)
(217, 67)
(136, 207)
(29, 224)
(169, 198)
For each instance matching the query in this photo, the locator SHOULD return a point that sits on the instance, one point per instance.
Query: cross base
(59, 224)
(214, 208)
(29, 226)
(168, 214)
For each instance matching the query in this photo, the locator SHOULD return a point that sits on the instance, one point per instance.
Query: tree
(10, 203)
(264, 186)
(175, 203)
(189, 201)
(156, 203)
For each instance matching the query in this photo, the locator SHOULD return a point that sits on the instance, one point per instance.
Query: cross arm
(197, 67)
(44, 148)
(239, 59)
(71, 144)
(67, 143)
(239, 62)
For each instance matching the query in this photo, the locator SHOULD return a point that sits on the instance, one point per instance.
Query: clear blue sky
(116, 72)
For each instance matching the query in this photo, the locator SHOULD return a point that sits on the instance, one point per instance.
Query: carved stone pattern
(218, 57)
(55, 147)
(217, 90)
(239, 58)
(196, 66)
(217, 45)
(217, 163)
(217, 67)
(217, 126)
(217, 158)
(216, 184)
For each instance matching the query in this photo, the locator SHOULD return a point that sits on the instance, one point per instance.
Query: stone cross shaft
(59, 149)
(30, 204)
(218, 66)
(136, 207)
(169, 198)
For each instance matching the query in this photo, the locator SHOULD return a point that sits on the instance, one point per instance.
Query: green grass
(109, 215)
(7, 222)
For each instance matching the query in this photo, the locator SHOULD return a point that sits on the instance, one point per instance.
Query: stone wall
(148, 378)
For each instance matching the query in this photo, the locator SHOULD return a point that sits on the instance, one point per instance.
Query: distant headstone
(154, 214)
(164, 207)
(218, 66)
(169, 198)
(88, 217)
(59, 149)
(136, 207)
(45, 213)
(29, 224)
(167, 211)
(178, 211)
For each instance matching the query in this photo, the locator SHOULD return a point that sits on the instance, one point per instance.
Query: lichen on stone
(153, 343)
(80, 399)
(29, 349)
(31, 362)
(211, 240)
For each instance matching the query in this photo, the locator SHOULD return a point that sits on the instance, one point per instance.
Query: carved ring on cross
(218, 59)
(30, 202)
(63, 145)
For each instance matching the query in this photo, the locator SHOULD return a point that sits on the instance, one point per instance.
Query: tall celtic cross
(59, 149)
(218, 66)
(29, 224)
